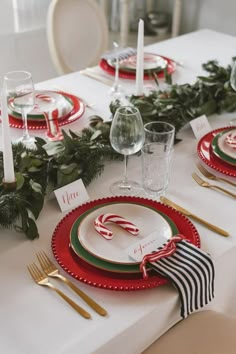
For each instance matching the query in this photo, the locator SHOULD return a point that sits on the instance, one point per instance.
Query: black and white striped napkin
(121, 53)
(190, 269)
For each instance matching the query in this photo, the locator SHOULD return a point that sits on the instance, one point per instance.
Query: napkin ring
(167, 250)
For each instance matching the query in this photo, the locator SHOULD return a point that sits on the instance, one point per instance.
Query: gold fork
(41, 279)
(52, 271)
(203, 183)
(210, 175)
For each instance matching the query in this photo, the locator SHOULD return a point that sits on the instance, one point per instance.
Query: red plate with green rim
(85, 272)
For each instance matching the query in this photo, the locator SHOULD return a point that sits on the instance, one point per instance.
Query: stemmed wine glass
(127, 138)
(19, 89)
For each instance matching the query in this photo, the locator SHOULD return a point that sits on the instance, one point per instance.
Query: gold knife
(195, 217)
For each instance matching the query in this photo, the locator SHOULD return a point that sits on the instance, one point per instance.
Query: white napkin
(122, 53)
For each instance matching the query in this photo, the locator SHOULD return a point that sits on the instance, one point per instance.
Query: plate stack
(87, 256)
(153, 63)
(68, 109)
(217, 150)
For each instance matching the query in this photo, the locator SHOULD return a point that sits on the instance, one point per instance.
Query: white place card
(71, 195)
(145, 246)
(200, 126)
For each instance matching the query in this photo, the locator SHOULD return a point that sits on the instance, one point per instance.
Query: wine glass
(127, 138)
(48, 102)
(19, 89)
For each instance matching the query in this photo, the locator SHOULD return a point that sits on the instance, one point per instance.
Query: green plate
(218, 152)
(101, 263)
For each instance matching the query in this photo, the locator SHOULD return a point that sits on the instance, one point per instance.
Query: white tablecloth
(34, 320)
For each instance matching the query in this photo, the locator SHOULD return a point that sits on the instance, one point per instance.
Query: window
(29, 14)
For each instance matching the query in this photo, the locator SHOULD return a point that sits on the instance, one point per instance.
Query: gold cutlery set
(50, 270)
(205, 184)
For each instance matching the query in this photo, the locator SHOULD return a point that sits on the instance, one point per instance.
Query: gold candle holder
(9, 186)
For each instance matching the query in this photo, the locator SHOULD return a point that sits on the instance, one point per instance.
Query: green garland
(55, 164)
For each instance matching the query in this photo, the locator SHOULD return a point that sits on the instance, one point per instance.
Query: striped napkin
(121, 53)
(190, 269)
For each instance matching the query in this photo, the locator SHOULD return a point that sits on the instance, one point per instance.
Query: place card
(71, 195)
(145, 246)
(200, 126)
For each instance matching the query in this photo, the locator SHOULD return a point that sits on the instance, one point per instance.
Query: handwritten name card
(200, 126)
(71, 195)
(145, 246)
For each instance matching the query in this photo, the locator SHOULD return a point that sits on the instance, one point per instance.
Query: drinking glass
(127, 138)
(48, 103)
(156, 157)
(19, 89)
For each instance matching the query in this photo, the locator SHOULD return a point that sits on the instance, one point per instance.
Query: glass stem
(116, 74)
(125, 179)
(25, 123)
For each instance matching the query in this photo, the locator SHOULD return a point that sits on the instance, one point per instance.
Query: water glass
(156, 157)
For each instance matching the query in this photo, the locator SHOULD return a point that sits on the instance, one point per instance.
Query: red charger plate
(88, 274)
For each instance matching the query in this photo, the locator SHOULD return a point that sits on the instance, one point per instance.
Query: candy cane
(116, 219)
(231, 140)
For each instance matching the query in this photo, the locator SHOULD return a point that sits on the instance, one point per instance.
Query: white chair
(206, 332)
(77, 34)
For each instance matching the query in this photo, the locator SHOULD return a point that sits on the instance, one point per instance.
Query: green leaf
(19, 180)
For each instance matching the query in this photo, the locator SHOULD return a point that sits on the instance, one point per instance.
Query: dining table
(33, 319)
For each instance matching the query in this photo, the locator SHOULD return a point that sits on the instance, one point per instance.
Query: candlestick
(8, 165)
(139, 61)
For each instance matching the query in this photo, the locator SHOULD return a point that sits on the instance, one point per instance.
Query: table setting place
(117, 205)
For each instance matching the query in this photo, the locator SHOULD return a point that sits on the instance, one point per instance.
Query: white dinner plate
(151, 62)
(223, 146)
(148, 221)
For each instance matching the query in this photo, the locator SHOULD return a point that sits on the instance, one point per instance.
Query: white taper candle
(139, 62)
(8, 164)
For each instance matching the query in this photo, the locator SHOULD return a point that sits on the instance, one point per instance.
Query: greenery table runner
(55, 164)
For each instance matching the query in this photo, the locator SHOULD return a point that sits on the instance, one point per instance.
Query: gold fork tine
(46, 257)
(35, 272)
(211, 176)
(32, 273)
(42, 279)
(52, 271)
(43, 261)
(203, 183)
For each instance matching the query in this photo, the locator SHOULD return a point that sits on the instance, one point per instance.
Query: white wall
(23, 50)
(197, 14)
(26, 51)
